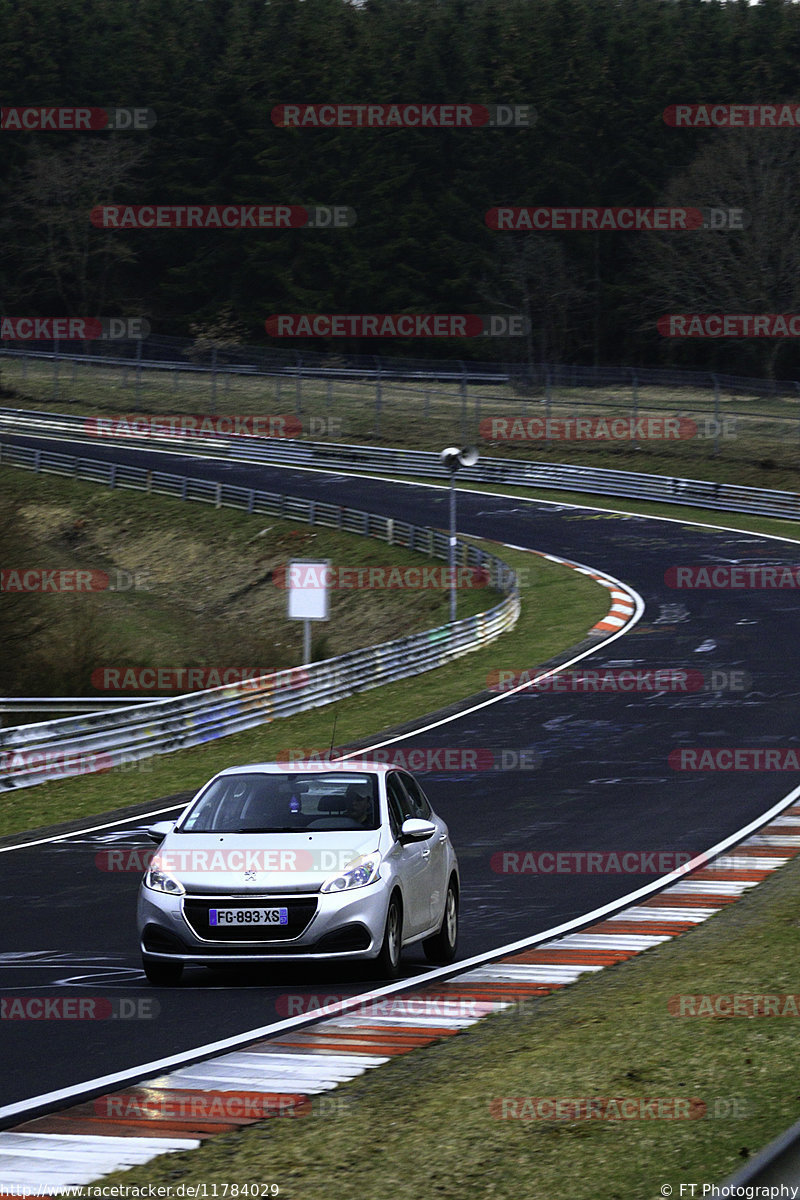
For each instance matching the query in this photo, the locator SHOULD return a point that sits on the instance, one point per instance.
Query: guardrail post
(251, 499)
(214, 380)
(378, 397)
(138, 399)
(56, 365)
(112, 479)
(548, 400)
(462, 387)
(635, 387)
(298, 387)
(716, 414)
(218, 500)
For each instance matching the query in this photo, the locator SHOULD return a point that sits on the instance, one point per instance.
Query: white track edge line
(213, 1049)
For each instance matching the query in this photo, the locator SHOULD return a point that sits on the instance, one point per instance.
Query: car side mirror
(414, 830)
(159, 831)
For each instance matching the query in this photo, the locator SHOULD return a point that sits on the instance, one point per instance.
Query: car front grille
(301, 909)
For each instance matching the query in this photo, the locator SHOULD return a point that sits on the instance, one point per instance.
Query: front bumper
(342, 926)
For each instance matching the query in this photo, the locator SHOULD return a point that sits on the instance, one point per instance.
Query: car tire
(160, 973)
(441, 948)
(387, 964)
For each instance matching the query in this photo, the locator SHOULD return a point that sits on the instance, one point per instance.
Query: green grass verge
(422, 1125)
(559, 606)
(209, 596)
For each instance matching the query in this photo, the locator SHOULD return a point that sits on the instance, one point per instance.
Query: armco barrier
(370, 459)
(48, 750)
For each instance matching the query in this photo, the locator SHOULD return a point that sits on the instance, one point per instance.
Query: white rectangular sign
(307, 583)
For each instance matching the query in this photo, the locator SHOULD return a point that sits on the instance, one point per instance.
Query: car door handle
(443, 838)
(426, 853)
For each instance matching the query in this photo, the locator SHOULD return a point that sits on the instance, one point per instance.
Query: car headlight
(356, 874)
(162, 881)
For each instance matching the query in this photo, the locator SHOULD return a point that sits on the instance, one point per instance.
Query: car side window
(399, 804)
(419, 802)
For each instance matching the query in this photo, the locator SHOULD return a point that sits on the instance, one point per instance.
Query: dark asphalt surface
(603, 782)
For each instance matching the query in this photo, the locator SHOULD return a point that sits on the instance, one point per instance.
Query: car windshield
(259, 802)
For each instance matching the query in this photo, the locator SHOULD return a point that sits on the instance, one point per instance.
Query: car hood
(242, 862)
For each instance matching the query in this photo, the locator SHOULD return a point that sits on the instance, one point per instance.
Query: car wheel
(441, 948)
(387, 964)
(160, 973)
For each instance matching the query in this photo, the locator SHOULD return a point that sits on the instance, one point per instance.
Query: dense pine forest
(598, 75)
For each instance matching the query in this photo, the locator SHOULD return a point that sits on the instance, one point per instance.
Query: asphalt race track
(603, 782)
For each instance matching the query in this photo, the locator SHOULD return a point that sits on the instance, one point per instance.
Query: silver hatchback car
(329, 861)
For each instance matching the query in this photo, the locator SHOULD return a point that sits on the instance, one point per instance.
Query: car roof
(360, 766)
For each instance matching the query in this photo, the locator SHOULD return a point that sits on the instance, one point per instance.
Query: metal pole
(716, 414)
(451, 555)
(138, 400)
(306, 642)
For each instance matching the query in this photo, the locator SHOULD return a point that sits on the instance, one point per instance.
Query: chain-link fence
(512, 408)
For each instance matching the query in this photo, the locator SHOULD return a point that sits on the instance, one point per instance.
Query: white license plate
(248, 916)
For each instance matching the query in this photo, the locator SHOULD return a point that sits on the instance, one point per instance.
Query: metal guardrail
(36, 753)
(666, 489)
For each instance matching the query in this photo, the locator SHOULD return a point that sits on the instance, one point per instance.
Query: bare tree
(46, 223)
(754, 270)
(534, 278)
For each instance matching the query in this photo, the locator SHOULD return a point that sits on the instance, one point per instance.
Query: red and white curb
(290, 1074)
(623, 600)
